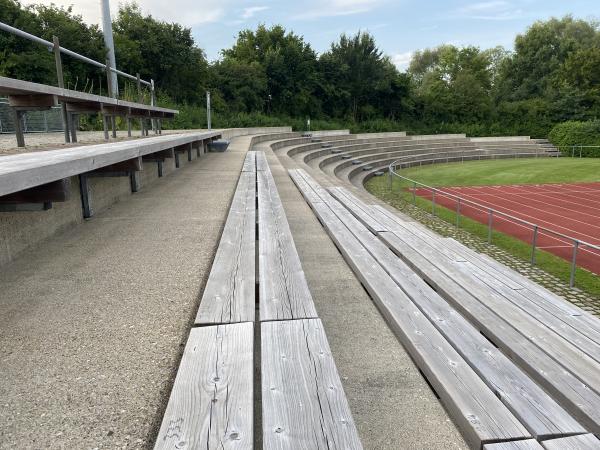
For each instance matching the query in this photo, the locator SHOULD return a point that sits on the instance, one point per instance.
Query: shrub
(567, 134)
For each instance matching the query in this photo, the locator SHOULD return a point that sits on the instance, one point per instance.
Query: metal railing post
(533, 244)
(458, 213)
(414, 193)
(433, 202)
(574, 263)
(61, 84)
(490, 224)
(390, 170)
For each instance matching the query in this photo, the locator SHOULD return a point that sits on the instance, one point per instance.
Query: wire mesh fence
(44, 121)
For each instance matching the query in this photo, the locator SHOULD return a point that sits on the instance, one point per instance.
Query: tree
(164, 52)
(289, 65)
(357, 75)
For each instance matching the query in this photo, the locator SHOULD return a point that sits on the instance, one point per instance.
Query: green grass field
(519, 171)
(506, 171)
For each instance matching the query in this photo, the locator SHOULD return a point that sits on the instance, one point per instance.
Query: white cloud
(332, 8)
(491, 10)
(186, 12)
(250, 12)
(402, 60)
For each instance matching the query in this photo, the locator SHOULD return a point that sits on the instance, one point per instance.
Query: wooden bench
(474, 407)
(552, 355)
(581, 442)
(284, 293)
(212, 401)
(211, 404)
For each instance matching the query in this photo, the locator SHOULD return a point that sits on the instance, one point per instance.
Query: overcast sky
(400, 26)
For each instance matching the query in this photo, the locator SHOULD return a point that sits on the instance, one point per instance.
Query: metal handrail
(66, 51)
(577, 243)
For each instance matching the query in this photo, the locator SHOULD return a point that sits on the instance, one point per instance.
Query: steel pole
(110, 46)
(574, 263)
(208, 121)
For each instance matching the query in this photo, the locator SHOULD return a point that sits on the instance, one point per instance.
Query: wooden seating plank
(366, 217)
(477, 411)
(580, 442)
(582, 321)
(211, 404)
(553, 375)
(284, 293)
(230, 291)
(261, 161)
(556, 338)
(249, 162)
(304, 406)
(542, 416)
(529, 444)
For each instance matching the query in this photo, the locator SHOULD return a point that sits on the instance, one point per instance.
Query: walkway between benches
(93, 321)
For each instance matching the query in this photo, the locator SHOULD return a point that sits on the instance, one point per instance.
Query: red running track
(570, 209)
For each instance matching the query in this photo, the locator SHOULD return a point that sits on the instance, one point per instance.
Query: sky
(400, 27)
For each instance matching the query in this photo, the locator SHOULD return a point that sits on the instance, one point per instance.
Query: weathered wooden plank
(230, 291)
(308, 194)
(474, 407)
(261, 162)
(583, 321)
(26, 170)
(365, 215)
(529, 444)
(562, 347)
(303, 401)
(284, 292)
(583, 328)
(542, 416)
(581, 442)
(249, 162)
(211, 404)
(551, 374)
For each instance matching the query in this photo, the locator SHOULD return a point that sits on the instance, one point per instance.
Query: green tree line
(273, 76)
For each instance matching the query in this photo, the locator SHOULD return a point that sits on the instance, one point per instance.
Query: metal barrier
(33, 121)
(435, 195)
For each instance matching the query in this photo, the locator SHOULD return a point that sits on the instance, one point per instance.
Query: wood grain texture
(284, 292)
(304, 406)
(561, 343)
(261, 161)
(249, 162)
(211, 404)
(529, 444)
(541, 415)
(229, 295)
(26, 170)
(563, 385)
(474, 407)
(581, 442)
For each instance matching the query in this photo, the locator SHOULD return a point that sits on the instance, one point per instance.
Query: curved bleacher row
(356, 158)
(516, 366)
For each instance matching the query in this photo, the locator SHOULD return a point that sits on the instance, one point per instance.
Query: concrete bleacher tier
(514, 365)
(356, 158)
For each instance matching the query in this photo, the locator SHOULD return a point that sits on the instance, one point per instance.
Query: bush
(567, 134)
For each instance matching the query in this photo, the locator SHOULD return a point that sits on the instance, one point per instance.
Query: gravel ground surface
(391, 402)
(36, 142)
(94, 320)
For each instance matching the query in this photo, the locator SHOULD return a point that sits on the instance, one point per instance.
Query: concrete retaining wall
(428, 137)
(500, 139)
(22, 230)
(390, 134)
